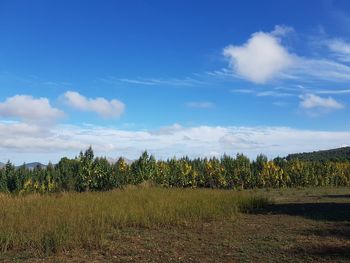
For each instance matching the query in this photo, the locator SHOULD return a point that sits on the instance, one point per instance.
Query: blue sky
(201, 78)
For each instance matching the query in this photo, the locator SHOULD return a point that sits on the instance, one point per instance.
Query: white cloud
(244, 91)
(23, 142)
(27, 108)
(273, 93)
(316, 70)
(264, 58)
(200, 104)
(282, 30)
(137, 81)
(335, 91)
(186, 81)
(261, 58)
(309, 101)
(340, 49)
(16, 129)
(110, 109)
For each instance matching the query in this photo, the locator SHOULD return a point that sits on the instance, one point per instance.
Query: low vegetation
(51, 223)
(177, 225)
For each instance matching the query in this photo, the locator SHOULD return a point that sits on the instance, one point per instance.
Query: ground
(301, 225)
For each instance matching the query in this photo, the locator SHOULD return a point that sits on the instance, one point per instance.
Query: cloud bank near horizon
(19, 139)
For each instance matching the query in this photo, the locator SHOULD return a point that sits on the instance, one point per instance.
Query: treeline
(336, 155)
(87, 173)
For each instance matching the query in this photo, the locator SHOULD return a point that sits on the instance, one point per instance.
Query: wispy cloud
(317, 70)
(246, 91)
(31, 80)
(273, 93)
(340, 49)
(140, 82)
(186, 81)
(200, 104)
(311, 101)
(309, 98)
(223, 73)
(335, 91)
(302, 89)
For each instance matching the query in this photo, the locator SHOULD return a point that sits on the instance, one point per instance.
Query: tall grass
(47, 223)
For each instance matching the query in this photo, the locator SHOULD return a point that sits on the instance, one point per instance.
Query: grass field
(60, 222)
(178, 225)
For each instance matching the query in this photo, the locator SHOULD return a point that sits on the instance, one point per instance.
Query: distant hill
(339, 154)
(114, 160)
(33, 165)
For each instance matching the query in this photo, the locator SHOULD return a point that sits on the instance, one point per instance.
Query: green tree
(85, 170)
(121, 173)
(11, 177)
(143, 169)
(67, 174)
(102, 177)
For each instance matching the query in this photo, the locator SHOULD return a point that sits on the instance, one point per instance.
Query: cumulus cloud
(27, 142)
(27, 108)
(262, 57)
(200, 104)
(106, 108)
(309, 101)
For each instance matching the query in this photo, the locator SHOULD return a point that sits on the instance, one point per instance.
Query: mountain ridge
(336, 154)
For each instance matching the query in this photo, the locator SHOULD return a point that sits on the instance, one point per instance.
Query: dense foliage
(335, 155)
(87, 173)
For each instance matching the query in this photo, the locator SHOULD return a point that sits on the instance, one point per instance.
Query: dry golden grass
(48, 223)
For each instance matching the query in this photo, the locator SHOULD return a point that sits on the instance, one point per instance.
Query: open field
(53, 223)
(162, 225)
